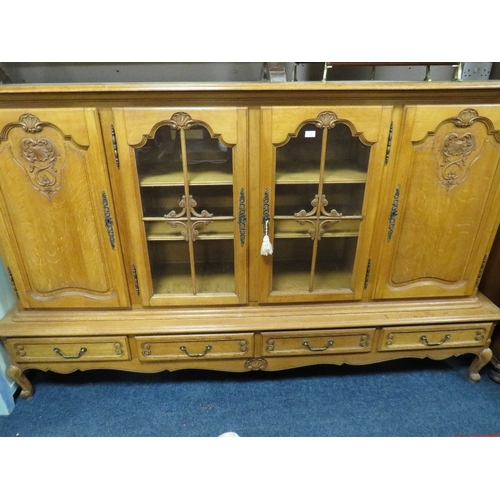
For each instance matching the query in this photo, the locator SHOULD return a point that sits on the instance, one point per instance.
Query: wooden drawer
(203, 347)
(24, 350)
(434, 337)
(315, 342)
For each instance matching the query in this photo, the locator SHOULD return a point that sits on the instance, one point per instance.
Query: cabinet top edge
(259, 87)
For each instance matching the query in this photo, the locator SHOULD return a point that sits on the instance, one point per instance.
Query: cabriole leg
(482, 359)
(17, 375)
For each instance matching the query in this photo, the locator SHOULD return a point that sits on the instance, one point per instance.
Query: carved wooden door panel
(185, 176)
(443, 208)
(321, 172)
(60, 240)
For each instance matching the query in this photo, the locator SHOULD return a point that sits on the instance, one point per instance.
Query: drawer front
(315, 342)
(434, 337)
(68, 349)
(192, 347)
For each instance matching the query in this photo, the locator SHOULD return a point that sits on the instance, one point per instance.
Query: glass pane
(162, 230)
(340, 228)
(292, 264)
(208, 159)
(170, 267)
(299, 159)
(201, 148)
(171, 272)
(160, 160)
(346, 199)
(214, 263)
(291, 199)
(335, 264)
(217, 200)
(294, 229)
(346, 156)
(160, 201)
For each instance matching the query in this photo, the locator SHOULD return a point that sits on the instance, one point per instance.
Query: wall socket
(476, 71)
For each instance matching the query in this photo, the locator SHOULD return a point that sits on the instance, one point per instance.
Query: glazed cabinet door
(58, 231)
(443, 205)
(185, 179)
(321, 170)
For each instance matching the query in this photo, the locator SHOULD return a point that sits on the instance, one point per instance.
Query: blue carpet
(401, 398)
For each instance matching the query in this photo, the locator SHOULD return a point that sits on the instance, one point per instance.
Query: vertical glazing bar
(318, 207)
(189, 227)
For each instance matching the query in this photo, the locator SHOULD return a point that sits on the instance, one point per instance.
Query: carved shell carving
(30, 123)
(465, 118)
(181, 121)
(255, 364)
(326, 119)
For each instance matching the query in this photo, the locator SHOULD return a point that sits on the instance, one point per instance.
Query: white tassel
(266, 248)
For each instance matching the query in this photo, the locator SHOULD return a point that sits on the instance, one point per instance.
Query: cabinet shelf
(286, 279)
(212, 177)
(307, 175)
(169, 281)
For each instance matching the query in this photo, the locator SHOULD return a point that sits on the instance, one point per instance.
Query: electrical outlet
(476, 71)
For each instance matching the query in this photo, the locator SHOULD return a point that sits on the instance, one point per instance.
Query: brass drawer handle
(81, 352)
(328, 344)
(199, 355)
(435, 344)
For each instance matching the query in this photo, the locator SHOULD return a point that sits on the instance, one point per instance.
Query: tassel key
(267, 247)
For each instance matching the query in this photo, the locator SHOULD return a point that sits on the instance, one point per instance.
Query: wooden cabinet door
(185, 178)
(58, 234)
(442, 209)
(321, 171)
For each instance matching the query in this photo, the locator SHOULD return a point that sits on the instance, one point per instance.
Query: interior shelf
(212, 177)
(307, 175)
(288, 279)
(171, 281)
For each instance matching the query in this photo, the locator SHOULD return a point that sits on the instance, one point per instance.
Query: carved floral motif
(455, 150)
(174, 219)
(41, 156)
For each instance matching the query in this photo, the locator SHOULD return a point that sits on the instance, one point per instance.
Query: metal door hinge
(242, 218)
(115, 147)
(136, 281)
(367, 275)
(481, 270)
(12, 282)
(394, 212)
(389, 143)
(108, 220)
